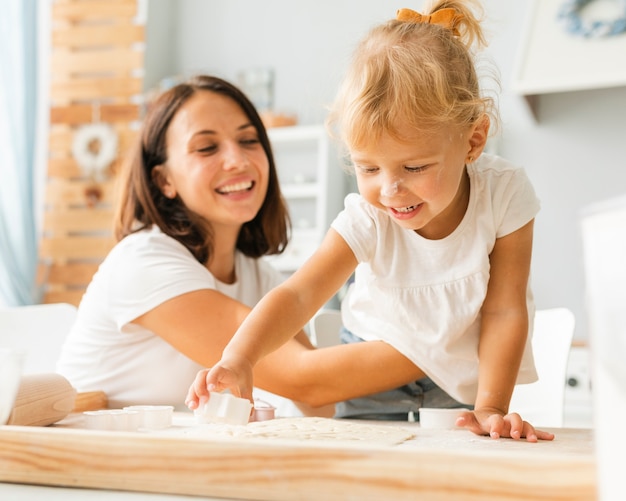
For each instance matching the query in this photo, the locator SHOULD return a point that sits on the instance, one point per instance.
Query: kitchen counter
(430, 464)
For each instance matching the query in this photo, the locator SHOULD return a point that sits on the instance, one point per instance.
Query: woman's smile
(235, 188)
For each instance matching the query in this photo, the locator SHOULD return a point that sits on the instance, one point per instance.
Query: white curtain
(18, 112)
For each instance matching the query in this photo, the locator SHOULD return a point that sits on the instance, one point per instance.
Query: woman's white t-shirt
(424, 297)
(106, 351)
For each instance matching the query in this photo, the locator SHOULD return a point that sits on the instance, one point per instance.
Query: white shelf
(302, 244)
(311, 184)
(301, 190)
(296, 133)
(553, 60)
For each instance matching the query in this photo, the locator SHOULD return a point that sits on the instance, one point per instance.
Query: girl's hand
(494, 424)
(198, 391)
(233, 375)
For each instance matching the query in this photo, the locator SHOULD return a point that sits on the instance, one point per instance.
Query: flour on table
(310, 429)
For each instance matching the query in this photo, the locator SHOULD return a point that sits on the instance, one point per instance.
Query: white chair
(325, 326)
(541, 403)
(39, 330)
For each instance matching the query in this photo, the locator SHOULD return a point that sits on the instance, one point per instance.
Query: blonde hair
(408, 78)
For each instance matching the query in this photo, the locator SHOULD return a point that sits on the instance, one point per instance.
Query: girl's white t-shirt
(106, 351)
(423, 296)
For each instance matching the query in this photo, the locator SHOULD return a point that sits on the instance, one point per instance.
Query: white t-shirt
(423, 296)
(105, 351)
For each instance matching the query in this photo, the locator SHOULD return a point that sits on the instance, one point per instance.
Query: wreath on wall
(575, 23)
(94, 148)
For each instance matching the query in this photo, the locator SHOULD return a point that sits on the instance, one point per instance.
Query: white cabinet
(312, 182)
(551, 59)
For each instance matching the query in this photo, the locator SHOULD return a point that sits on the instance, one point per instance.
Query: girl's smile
(405, 212)
(421, 184)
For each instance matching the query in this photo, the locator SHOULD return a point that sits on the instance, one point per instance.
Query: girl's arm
(282, 313)
(503, 336)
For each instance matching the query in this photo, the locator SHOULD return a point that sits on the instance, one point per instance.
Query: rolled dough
(309, 429)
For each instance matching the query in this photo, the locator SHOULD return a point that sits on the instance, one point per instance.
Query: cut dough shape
(310, 429)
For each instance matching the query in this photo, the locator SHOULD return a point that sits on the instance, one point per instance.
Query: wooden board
(435, 465)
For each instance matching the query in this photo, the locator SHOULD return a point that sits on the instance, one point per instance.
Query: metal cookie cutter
(263, 411)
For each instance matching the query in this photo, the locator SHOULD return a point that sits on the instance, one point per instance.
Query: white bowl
(444, 419)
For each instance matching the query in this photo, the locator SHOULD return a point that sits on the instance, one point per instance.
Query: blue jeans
(398, 404)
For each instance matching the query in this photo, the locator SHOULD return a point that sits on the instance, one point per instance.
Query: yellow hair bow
(448, 18)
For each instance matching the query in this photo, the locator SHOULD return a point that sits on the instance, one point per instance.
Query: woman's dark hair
(142, 203)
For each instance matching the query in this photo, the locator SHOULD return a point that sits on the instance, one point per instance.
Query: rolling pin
(42, 399)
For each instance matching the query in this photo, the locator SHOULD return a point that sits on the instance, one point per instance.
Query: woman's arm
(330, 375)
(200, 324)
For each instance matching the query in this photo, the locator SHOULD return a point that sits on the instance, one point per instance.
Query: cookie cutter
(224, 408)
(153, 417)
(112, 419)
(439, 418)
(131, 418)
(263, 411)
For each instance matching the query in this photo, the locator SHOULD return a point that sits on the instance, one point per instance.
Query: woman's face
(215, 161)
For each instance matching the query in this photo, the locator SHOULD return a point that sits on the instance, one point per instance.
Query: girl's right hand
(198, 392)
(235, 376)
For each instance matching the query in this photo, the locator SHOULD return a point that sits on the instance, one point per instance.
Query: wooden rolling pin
(42, 399)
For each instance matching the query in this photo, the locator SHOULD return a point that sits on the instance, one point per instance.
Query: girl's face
(215, 161)
(421, 184)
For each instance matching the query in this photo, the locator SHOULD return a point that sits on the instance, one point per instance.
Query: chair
(39, 330)
(325, 326)
(541, 403)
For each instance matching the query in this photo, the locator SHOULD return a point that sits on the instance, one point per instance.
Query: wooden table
(434, 465)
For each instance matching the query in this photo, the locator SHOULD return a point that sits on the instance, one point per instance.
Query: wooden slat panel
(98, 36)
(66, 62)
(61, 139)
(80, 11)
(97, 56)
(83, 113)
(68, 296)
(62, 193)
(66, 168)
(67, 248)
(72, 274)
(95, 89)
(78, 219)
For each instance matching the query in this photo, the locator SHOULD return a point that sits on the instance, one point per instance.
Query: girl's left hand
(488, 422)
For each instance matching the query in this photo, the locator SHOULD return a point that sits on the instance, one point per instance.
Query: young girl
(439, 237)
